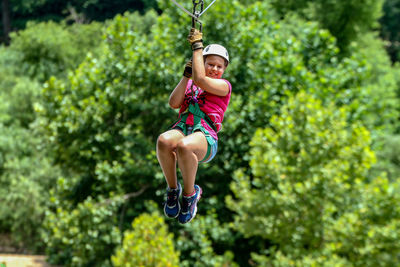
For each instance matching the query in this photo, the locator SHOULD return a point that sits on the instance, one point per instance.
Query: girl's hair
(226, 61)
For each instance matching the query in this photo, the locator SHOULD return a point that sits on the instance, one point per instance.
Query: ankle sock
(190, 195)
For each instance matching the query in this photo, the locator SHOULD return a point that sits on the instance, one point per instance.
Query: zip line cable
(194, 15)
(186, 11)
(207, 8)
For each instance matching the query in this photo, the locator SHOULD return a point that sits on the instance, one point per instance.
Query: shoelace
(172, 196)
(186, 204)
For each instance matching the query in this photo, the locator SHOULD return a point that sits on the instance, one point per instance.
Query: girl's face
(214, 66)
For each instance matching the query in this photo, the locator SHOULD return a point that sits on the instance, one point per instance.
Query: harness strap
(195, 110)
(198, 115)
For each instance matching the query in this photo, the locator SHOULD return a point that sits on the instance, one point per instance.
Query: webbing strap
(195, 110)
(198, 114)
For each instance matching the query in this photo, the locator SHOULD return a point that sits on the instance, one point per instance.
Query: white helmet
(216, 49)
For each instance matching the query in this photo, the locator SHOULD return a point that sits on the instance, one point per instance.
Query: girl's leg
(190, 150)
(166, 155)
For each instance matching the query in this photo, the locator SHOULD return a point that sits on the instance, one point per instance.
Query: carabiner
(196, 13)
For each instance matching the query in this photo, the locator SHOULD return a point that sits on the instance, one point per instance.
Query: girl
(203, 101)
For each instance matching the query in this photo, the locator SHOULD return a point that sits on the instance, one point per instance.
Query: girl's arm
(178, 95)
(214, 86)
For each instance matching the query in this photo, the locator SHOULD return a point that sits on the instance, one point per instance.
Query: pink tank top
(212, 105)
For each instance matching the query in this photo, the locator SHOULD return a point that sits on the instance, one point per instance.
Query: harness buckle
(189, 130)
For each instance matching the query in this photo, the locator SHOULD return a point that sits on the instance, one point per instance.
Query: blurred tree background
(308, 168)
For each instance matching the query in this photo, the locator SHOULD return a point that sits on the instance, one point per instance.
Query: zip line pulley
(196, 14)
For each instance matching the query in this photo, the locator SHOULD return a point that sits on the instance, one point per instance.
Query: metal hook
(186, 11)
(197, 13)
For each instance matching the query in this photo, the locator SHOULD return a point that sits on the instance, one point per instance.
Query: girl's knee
(165, 143)
(185, 148)
(182, 146)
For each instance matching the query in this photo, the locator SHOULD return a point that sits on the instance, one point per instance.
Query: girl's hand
(188, 69)
(195, 39)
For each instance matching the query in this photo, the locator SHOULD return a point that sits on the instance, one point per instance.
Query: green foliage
(75, 11)
(309, 260)
(385, 84)
(47, 49)
(390, 28)
(26, 170)
(84, 236)
(273, 59)
(389, 157)
(86, 39)
(102, 122)
(26, 6)
(26, 173)
(99, 10)
(18, 96)
(397, 75)
(99, 125)
(309, 194)
(147, 244)
(305, 160)
(364, 236)
(195, 241)
(346, 20)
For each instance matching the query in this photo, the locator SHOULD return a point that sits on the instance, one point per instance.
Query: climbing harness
(194, 109)
(198, 115)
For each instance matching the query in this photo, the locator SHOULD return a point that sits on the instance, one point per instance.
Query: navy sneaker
(189, 206)
(172, 207)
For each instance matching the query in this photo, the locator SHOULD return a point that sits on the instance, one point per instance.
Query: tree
(309, 183)
(390, 28)
(346, 20)
(5, 9)
(84, 236)
(16, 13)
(9, 7)
(26, 170)
(102, 122)
(301, 165)
(148, 244)
(50, 49)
